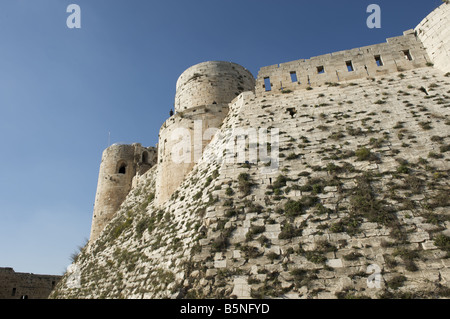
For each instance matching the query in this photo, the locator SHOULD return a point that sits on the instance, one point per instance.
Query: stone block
(335, 263)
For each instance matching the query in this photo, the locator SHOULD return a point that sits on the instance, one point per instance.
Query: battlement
(397, 54)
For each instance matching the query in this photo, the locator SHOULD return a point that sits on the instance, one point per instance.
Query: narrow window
(294, 76)
(267, 84)
(13, 292)
(122, 169)
(407, 54)
(320, 69)
(349, 66)
(292, 111)
(145, 157)
(378, 60)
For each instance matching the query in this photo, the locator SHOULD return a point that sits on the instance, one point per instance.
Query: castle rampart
(16, 285)
(397, 54)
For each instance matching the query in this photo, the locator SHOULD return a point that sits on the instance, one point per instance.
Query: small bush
(254, 230)
(444, 148)
(425, 125)
(336, 136)
(244, 183)
(289, 231)
(293, 208)
(443, 242)
(396, 282)
(280, 182)
(352, 256)
(272, 256)
(363, 154)
(315, 257)
(435, 155)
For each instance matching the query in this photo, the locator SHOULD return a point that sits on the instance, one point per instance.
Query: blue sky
(62, 90)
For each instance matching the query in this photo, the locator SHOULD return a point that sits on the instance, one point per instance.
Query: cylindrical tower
(213, 82)
(120, 163)
(203, 94)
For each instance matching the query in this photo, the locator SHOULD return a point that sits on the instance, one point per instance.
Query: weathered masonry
(397, 54)
(120, 165)
(205, 92)
(16, 285)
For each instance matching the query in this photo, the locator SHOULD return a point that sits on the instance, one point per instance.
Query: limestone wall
(14, 285)
(211, 82)
(120, 164)
(203, 94)
(434, 31)
(358, 63)
(182, 140)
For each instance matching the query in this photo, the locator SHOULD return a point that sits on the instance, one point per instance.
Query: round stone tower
(213, 82)
(203, 94)
(120, 163)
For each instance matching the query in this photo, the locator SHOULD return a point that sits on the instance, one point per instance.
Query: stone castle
(370, 120)
(17, 285)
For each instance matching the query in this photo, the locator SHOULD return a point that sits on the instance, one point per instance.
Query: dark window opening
(378, 60)
(292, 111)
(294, 76)
(424, 90)
(13, 292)
(145, 157)
(53, 284)
(267, 84)
(349, 66)
(320, 70)
(270, 180)
(122, 169)
(407, 55)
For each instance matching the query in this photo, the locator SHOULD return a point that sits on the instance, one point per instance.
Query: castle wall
(182, 140)
(120, 164)
(211, 82)
(434, 31)
(14, 285)
(392, 56)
